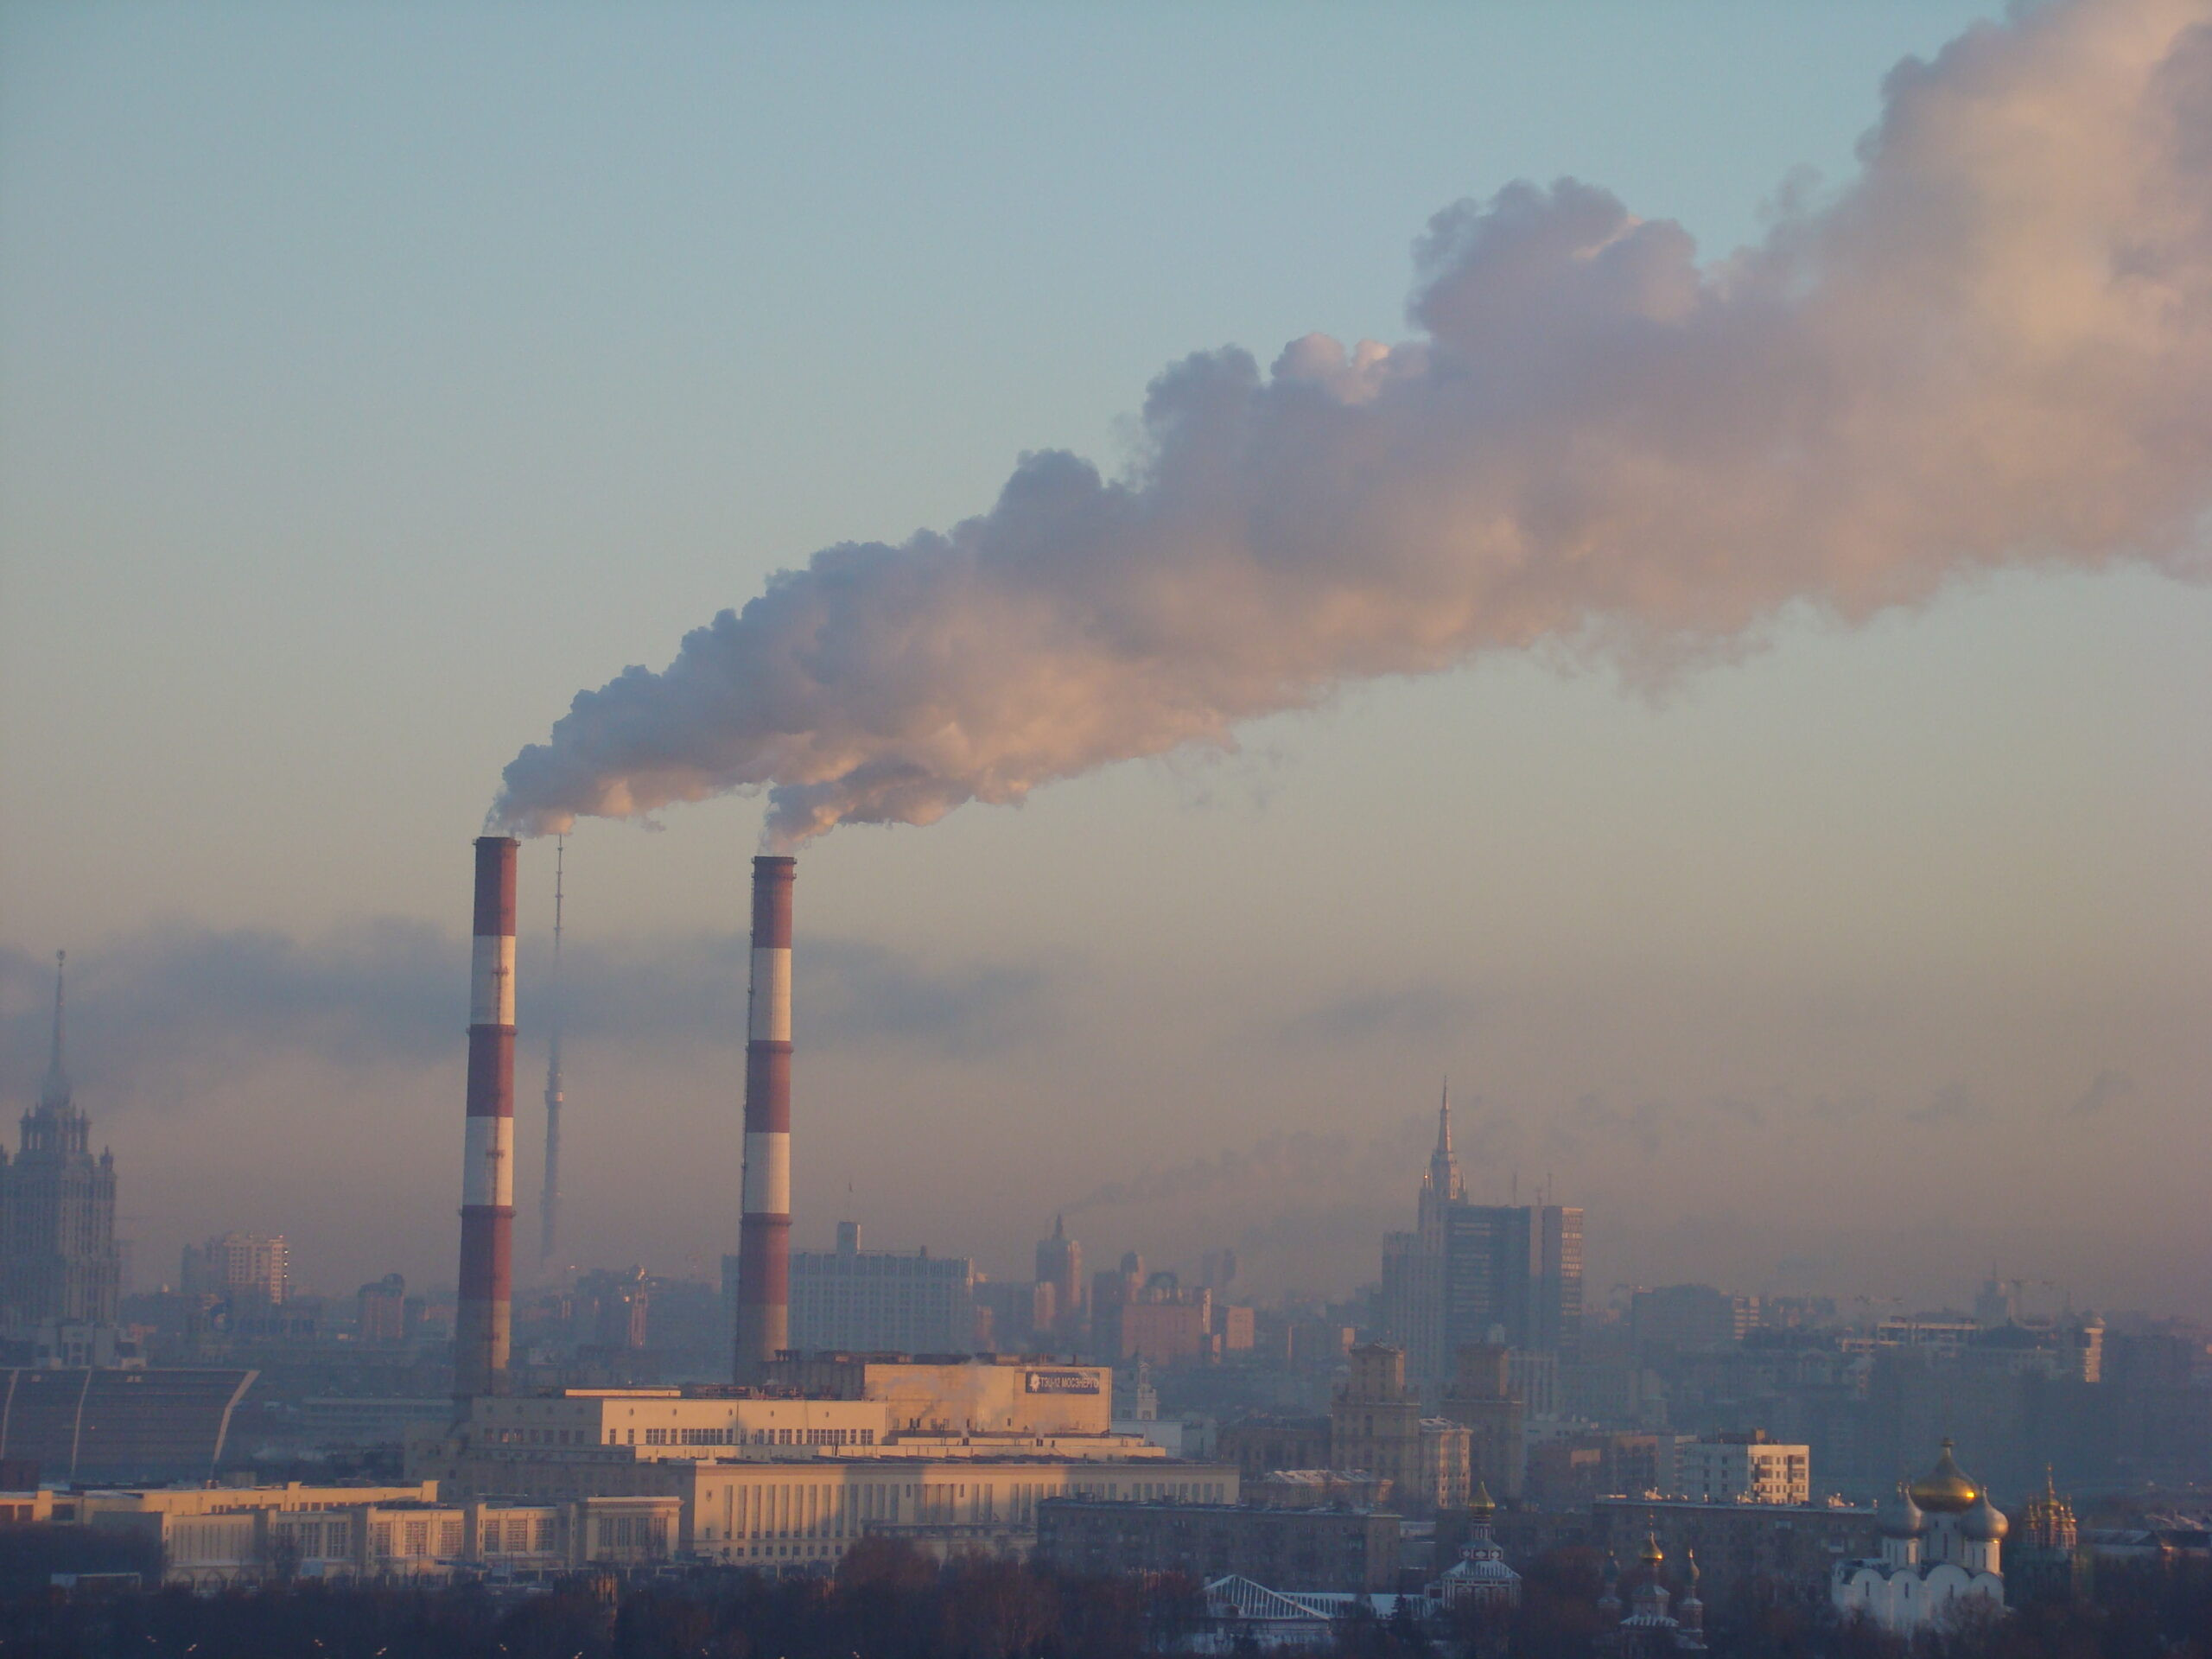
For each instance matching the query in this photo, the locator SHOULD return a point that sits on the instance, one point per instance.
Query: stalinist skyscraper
(58, 1259)
(1478, 1274)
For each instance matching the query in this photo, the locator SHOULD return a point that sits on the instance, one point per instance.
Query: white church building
(1940, 1564)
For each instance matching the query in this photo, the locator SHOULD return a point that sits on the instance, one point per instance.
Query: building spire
(53, 1094)
(1443, 1182)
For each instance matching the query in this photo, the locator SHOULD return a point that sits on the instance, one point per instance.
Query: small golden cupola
(1946, 1489)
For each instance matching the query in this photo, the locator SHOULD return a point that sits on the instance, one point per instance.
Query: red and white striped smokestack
(488, 1196)
(764, 1246)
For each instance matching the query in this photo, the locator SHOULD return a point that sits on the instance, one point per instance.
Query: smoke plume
(1994, 346)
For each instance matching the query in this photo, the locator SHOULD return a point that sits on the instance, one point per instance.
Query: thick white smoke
(1994, 346)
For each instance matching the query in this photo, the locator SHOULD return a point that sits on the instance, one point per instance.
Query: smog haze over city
(1724, 680)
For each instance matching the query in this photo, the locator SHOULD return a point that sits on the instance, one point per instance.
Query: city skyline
(1917, 907)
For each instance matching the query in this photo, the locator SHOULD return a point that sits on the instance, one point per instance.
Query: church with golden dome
(1941, 1566)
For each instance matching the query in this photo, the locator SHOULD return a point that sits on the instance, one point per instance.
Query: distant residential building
(1263, 1445)
(1616, 1394)
(1580, 1468)
(1060, 1307)
(1166, 1332)
(1154, 1317)
(1535, 1377)
(1689, 1318)
(59, 1263)
(1317, 1489)
(380, 1310)
(880, 1302)
(1745, 1468)
(1736, 1545)
(1298, 1549)
(1217, 1270)
(242, 1267)
(1484, 1397)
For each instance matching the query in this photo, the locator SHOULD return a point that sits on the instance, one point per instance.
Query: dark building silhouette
(59, 1264)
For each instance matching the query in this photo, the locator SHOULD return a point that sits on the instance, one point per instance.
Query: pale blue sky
(373, 377)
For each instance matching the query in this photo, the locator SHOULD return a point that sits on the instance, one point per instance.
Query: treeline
(888, 1602)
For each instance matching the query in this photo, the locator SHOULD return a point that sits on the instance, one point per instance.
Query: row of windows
(413, 1538)
(830, 1437)
(512, 1536)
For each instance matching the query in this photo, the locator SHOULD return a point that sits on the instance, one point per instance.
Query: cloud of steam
(1992, 347)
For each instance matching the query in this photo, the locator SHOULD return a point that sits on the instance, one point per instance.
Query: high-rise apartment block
(1060, 1307)
(380, 1310)
(1376, 1427)
(1477, 1273)
(58, 1263)
(254, 1266)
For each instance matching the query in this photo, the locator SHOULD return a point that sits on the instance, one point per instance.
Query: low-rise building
(214, 1537)
(1744, 1468)
(1734, 1544)
(1577, 1469)
(1258, 1446)
(1343, 1550)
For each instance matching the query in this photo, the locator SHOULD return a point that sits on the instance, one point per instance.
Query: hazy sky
(372, 378)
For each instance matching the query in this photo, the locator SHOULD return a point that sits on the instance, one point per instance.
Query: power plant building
(951, 1455)
(880, 1302)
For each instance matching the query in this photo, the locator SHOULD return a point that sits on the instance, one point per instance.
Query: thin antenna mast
(549, 1202)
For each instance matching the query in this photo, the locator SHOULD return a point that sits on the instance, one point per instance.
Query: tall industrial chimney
(764, 1237)
(487, 1198)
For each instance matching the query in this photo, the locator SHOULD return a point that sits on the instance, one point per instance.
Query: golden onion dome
(1651, 1554)
(1946, 1489)
(1483, 1503)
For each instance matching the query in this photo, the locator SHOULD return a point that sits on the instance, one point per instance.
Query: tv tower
(549, 1201)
